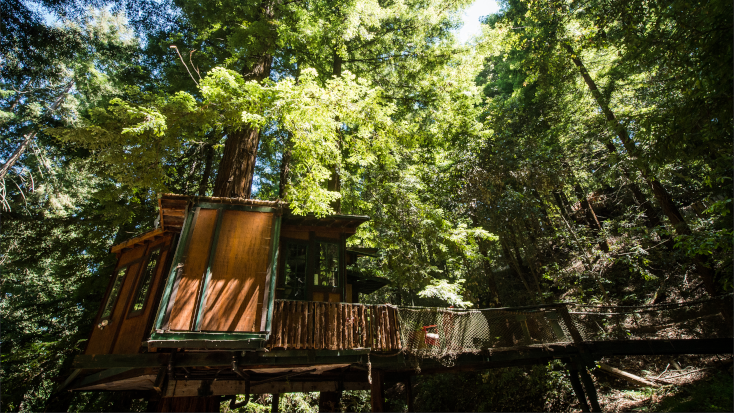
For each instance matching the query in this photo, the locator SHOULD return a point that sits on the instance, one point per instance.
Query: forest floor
(699, 383)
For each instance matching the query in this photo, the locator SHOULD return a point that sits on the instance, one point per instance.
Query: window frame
(139, 283)
(313, 273)
(113, 304)
(280, 285)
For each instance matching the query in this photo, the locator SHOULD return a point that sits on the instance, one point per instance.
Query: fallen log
(627, 376)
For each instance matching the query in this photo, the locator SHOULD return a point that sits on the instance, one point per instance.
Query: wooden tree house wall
(208, 277)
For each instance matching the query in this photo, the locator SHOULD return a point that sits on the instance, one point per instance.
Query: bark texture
(237, 167)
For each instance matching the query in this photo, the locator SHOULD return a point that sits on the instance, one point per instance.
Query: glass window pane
(295, 271)
(107, 313)
(144, 286)
(327, 265)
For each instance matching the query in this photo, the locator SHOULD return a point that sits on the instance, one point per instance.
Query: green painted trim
(212, 344)
(182, 243)
(208, 275)
(185, 335)
(209, 205)
(273, 273)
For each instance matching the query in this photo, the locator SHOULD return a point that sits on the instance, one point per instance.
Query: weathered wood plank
(286, 323)
(373, 328)
(304, 324)
(333, 326)
(299, 324)
(317, 326)
(363, 326)
(310, 324)
(396, 320)
(355, 326)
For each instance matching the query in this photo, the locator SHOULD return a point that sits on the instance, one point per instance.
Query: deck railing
(334, 326)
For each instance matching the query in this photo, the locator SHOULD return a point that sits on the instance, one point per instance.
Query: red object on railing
(430, 338)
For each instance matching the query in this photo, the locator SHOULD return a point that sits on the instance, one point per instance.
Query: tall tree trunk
(670, 209)
(237, 167)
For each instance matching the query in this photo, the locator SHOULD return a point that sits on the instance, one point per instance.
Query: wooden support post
(573, 375)
(274, 408)
(329, 401)
(377, 391)
(590, 390)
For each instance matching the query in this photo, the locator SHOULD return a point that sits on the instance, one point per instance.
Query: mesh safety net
(444, 333)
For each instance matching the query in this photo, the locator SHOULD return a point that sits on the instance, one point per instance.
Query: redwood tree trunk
(237, 167)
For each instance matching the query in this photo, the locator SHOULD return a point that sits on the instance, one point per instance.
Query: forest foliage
(575, 150)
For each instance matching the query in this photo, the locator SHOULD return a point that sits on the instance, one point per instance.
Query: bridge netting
(447, 332)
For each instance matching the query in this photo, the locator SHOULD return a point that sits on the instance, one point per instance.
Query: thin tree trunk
(653, 219)
(591, 218)
(494, 297)
(543, 211)
(208, 157)
(334, 184)
(29, 137)
(532, 259)
(670, 209)
(285, 168)
(512, 262)
(561, 205)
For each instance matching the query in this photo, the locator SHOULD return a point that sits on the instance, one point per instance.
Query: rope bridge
(447, 332)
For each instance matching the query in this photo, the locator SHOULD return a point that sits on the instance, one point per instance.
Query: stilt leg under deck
(573, 375)
(329, 401)
(590, 390)
(377, 391)
(276, 401)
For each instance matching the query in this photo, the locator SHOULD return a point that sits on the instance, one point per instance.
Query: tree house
(210, 275)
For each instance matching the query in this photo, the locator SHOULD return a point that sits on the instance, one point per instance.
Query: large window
(327, 265)
(112, 298)
(295, 271)
(145, 283)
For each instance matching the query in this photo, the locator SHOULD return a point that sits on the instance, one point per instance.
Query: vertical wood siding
(234, 295)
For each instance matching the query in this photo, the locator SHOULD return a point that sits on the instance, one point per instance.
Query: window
(145, 283)
(110, 305)
(295, 271)
(327, 265)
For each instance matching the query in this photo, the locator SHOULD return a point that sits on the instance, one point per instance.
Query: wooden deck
(334, 326)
